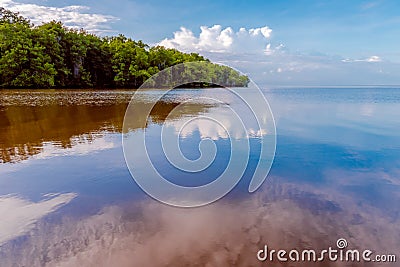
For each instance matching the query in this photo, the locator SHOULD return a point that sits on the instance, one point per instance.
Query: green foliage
(23, 61)
(53, 56)
(7, 16)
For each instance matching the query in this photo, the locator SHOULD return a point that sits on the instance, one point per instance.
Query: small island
(54, 56)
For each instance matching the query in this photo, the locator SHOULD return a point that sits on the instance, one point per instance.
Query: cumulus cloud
(72, 16)
(18, 216)
(270, 63)
(249, 50)
(217, 39)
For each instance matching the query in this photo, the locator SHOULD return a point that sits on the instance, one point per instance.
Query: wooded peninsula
(54, 56)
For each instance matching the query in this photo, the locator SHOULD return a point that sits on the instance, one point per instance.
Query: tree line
(52, 55)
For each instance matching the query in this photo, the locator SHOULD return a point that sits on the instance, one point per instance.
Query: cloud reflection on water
(336, 175)
(20, 215)
(221, 234)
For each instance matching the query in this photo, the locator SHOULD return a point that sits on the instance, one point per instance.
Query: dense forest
(54, 56)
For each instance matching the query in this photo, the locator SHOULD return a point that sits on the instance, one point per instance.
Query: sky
(276, 43)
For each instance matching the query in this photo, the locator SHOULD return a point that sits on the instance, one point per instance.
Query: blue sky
(303, 42)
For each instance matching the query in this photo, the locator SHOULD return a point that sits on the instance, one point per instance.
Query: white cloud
(249, 50)
(216, 39)
(72, 16)
(370, 5)
(18, 216)
(374, 59)
(269, 63)
(370, 59)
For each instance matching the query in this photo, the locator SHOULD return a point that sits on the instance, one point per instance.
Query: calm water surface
(67, 197)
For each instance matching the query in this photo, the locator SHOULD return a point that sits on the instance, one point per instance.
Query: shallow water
(68, 199)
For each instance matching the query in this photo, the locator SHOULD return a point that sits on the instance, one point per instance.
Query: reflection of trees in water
(59, 118)
(28, 127)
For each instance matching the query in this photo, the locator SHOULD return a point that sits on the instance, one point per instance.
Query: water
(67, 197)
